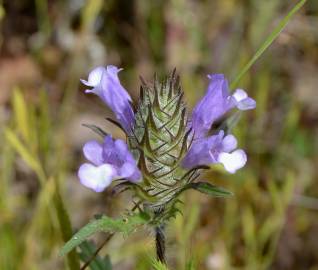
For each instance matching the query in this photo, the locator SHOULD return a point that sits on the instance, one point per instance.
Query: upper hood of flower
(106, 85)
(216, 102)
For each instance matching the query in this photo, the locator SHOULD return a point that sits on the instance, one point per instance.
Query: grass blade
(21, 114)
(21, 149)
(270, 39)
(65, 226)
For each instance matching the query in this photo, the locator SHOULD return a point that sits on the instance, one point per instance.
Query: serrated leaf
(125, 225)
(96, 129)
(210, 189)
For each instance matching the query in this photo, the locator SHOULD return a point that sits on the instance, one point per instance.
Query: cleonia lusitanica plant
(165, 151)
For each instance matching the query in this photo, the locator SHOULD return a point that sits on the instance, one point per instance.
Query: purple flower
(110, 160)
(216, 102)
(106, 85)
(216, 149)
(113, 160)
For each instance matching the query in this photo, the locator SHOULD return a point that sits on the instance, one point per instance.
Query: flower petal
(242, 101)
(136, 177)
(116, 153)
(117, 98)
(212, 106)
(216, 102)
(94, 77)
(93, 152)
(96, 178)
(130, 171)
(112, 81)
(233, 161)
(239, 95)
(246, 104)
(106, 85)
(229, 143)
(126, 170)
(204, 151)
(215, 149)
(121, 146)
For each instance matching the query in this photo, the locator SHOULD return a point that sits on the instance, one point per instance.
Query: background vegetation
(46, 46)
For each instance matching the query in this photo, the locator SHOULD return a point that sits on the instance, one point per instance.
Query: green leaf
(21, 114)
(96, 129)
(88, 250)
(125, 225)
(269, 40)
(210, 189)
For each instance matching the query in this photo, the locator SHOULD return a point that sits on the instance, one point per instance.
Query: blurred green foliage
(46, 46)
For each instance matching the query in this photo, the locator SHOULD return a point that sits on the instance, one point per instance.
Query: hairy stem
(160, 243)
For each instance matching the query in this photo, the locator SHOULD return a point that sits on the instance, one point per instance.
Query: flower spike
(165, 151)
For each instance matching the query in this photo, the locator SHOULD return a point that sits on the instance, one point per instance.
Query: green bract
(160, 140)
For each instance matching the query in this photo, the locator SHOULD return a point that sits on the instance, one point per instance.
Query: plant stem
(160, 243)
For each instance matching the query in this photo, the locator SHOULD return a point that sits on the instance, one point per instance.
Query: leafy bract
(125, 225)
